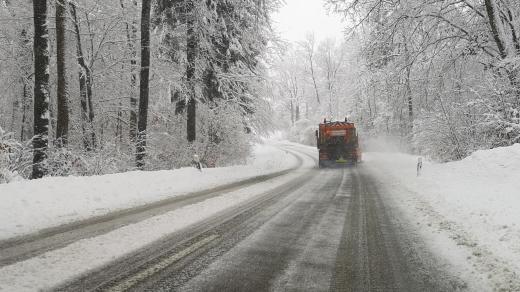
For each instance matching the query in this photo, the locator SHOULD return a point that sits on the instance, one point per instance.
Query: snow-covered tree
(451, 64)
(98, 47)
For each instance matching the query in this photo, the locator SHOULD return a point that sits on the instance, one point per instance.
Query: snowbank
(28, 206)
(473, 203)
(55, 267)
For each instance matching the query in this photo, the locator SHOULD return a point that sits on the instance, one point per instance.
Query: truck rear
(338, 144)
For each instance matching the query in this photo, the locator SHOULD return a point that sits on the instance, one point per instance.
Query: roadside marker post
(419, 166)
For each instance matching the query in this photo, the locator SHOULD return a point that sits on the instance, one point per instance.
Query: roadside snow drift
(469, 209)
(28, 206)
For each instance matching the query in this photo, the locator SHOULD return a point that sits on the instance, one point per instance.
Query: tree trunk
(131, 35)
(27, 74)
(499, 35)
(309, 46)
(14, 114)
(62, 123)
(24, 109)
(409, 97)
(496, 27)
(41, 88)
(92, 129)
(85, 88)
(191, 54)
(314, 83)
(291, 108)
(144, 83)
(84, 110)
(514, 34)
(408, 86)
(119, 124)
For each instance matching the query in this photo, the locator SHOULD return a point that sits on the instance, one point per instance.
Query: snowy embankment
(468, 211)
(29, 206)
(58, 266)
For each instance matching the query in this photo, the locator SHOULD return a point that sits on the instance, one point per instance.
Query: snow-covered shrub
(450, 135)
(501, 115)
(7, 176)
(222, 139)
(108, 159)
(79, 162)
(463, 121)
(225, 140)
(168, 150)
(15, 158)
(304, 132)
(434, 138)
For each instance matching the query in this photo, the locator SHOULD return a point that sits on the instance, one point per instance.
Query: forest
(438, 77)
(94, 87)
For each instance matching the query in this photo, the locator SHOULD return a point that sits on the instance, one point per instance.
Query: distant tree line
(442, 76)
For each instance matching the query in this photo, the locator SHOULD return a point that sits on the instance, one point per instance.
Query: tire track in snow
(498, 273)
(21, 248)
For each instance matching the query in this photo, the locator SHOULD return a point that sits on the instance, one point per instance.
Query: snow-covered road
(457, 221)
(323, 229)
(56, 266)
(466, 211)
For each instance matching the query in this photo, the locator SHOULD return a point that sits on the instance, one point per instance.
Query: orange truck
(338, 144)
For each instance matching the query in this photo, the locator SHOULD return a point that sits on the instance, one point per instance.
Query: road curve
(326, 230)
(31, 245)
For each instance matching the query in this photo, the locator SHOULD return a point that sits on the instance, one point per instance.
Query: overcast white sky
(298, 17)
